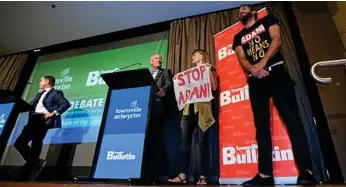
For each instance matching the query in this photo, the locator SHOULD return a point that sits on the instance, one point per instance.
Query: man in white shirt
(49, 104)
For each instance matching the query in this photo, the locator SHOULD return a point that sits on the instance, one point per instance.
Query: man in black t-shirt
(257, 47)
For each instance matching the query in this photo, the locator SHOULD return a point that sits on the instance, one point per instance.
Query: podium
(119, 153)
(10, 107)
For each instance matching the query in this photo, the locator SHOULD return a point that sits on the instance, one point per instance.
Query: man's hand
(262, 73)
(253, 70)
(259, 66)
(161, 93)
(258, 73)
(48, 115)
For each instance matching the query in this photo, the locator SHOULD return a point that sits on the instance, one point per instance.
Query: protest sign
(193, 86)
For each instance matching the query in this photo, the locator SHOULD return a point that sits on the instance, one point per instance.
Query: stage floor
(35, 184)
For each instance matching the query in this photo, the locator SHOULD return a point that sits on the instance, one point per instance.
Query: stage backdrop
(77, 74)
(238, 146)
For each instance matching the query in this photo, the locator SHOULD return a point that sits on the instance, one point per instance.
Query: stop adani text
(193, 86)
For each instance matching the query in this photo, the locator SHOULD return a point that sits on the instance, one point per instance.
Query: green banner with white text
(79, 77)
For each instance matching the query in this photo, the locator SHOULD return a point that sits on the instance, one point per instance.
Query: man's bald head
(156, 60)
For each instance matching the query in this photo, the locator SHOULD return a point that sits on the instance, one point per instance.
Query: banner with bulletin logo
(238, 146)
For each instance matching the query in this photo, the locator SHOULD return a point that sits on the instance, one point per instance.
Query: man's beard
(245, 18)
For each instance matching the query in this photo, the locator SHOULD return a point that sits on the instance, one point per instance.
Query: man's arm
(239, 51)
(63, 103)
(255, 71)
(275, 45)
(168, 81)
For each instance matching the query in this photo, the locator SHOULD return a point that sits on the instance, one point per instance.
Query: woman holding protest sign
(196, 114)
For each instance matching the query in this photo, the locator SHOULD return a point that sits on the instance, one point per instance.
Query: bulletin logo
(234, 95)
(94, 77)
(120, 155)
(249, 154)
(225, 51)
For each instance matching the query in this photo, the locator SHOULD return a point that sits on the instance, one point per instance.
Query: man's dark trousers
(280, 87)
(156, 158)
(34, 131)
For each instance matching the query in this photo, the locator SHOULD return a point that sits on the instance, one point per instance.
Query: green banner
(79, 77)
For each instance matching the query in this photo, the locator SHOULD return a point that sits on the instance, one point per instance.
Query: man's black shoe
(40, 164)
(260, 181)
(305, 178)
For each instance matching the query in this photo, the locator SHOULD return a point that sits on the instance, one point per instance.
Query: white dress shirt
(154, 73)
(39, 107)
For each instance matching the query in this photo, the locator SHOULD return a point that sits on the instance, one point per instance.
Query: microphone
(127, 67)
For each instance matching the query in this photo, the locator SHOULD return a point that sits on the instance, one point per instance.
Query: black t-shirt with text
(255, 41)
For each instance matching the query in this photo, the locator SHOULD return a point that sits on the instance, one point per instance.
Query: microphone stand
(127, 67)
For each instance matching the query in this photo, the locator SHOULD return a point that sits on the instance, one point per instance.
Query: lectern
(10, 107)
(120, 148)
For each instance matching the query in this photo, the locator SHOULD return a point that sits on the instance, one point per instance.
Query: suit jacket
(167, 105)
(53, 101)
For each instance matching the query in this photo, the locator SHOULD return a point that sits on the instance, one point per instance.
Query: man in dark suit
(163, 106)
(165, 98)
(48, 106)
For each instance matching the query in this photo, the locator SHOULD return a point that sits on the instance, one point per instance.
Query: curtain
(292, 64)
(196, 32)
(11, 68)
